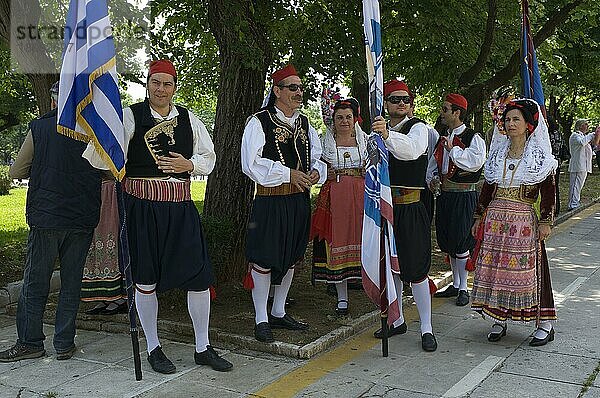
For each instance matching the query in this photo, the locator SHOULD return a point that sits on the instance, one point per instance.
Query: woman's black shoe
(97, 310)
(263, 333)
(119, 309)
(159, 362)
(496, 336)
(340, 310)
(535, 342)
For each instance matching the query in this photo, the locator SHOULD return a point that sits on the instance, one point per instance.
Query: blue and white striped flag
(379, 220)
(89, 104)
(374, 56)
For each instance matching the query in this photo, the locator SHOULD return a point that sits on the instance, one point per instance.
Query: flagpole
(383, 300)
(125, 268)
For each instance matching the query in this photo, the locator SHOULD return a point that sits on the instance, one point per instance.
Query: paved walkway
(465, 364)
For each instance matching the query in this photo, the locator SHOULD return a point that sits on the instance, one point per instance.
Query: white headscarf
(330, 147)
(538, 162)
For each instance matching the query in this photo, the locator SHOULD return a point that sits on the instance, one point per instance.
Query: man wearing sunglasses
(458, 161)
(281, 153)
(406, 140)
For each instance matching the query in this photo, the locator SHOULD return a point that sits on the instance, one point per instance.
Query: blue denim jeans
(43, 247)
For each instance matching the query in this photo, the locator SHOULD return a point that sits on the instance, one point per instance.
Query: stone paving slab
(12, 392)
(500, 385)
(177, 388)
(337, 386)
(47, 373)
(592, 393)
(113, 381)
(555, 367)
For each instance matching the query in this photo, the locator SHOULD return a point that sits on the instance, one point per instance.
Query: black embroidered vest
(408, 173)
(284, 143)
(455, 173)
(151, 139)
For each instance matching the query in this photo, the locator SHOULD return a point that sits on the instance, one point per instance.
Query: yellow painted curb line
(300, 378)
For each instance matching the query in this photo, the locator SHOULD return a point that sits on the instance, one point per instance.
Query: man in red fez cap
(281, 153)
(166, 145)
(406, 140)
(458, 163)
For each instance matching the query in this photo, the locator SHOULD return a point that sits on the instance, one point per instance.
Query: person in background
(581, 159)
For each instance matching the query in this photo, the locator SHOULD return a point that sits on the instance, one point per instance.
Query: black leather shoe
(159, 362)
(463, 298)
(394, 330)
(211, 358)
(450, 291)
(428, 342)
(286, 322)
(496, 336)
(263, 333)
(535, 342)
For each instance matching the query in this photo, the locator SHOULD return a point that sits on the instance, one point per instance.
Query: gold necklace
(512, 168)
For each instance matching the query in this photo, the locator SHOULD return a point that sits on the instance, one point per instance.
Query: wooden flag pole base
(384, 335)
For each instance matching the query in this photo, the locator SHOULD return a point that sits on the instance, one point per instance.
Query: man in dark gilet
(406, 139)
(167, 145)
(63, 208)
(280, 153)
(457, 163)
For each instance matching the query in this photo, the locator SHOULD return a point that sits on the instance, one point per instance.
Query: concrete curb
(565, 216)
(9, 294)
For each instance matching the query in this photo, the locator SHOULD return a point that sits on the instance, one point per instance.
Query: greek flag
(89, 104)
(530, 73)
(378, 221)
(374, 56)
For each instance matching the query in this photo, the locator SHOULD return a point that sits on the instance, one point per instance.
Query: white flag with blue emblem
(372, 28)
(89, 104)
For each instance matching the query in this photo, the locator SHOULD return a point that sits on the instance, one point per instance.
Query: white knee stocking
(281, 292)
(199, 309)
(342, 294)
(422, 297)
(461, 262)
(455, 273)
(399, 287)
(260, 293)
(146, 304)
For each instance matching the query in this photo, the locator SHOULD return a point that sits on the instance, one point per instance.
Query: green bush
(5, 180)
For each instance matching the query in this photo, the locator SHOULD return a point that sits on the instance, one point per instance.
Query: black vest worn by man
(284, 143)
(64, 189)
(408, 173)
(150, 137)
(455, 173)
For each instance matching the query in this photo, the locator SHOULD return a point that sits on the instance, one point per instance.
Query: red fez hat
(395, 85)
(162, 66)
(458, 100)
(281, 74)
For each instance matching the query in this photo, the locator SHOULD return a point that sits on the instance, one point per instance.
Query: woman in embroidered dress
(102, 280)
(337, 220)
(512, 279)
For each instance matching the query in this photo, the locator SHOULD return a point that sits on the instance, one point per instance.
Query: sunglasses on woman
(396, 99)
(292, 87)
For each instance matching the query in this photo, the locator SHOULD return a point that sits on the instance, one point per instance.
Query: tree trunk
(360, 91)
(229, 192)
(31, 55)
